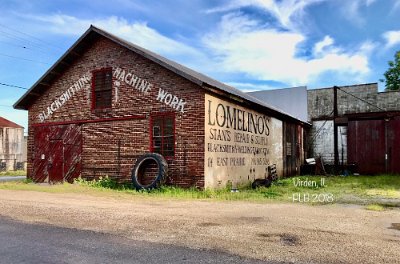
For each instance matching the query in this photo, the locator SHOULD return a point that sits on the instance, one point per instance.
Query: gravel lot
(268, 231)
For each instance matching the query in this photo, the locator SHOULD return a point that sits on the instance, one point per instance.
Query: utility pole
(335, 130)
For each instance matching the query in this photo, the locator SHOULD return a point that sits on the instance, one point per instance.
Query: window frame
(163, 116)
(93, 106)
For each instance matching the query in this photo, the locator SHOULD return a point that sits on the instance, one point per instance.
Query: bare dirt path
(269, 231)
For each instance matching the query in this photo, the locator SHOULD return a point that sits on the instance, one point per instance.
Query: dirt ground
(269, 231)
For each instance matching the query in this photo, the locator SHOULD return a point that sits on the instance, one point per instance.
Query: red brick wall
(100, 154)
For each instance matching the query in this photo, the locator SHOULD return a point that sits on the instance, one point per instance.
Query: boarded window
(102, 88)
(163, 134)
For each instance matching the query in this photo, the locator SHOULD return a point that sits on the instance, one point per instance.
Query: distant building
(367, 121)
(12, 146)
(368, 124)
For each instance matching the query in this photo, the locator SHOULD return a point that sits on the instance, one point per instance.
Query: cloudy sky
(249, 44)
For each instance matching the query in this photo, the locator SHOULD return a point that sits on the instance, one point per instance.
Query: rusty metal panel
(293, 136)
(366, 145)
(57, 153)
(393, 149)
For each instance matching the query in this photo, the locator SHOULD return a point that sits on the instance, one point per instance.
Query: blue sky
(249, 44)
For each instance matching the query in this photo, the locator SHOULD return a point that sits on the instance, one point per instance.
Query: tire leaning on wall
(140, 164)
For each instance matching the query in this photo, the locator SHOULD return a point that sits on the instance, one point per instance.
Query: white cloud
(287, 12)
(238, 44)
(351, 10)
(392, 38)
(319, 47)
(396, 4)
(250, 87)
(243, 45)
(138, 33)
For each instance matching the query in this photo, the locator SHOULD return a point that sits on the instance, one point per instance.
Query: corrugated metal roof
(292, 100)
(196, 77)
(7, 123)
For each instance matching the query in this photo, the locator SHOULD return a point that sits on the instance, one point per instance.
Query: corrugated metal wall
(292, 148)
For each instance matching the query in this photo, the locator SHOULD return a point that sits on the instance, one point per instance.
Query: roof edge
(17, 105)
(187, 73)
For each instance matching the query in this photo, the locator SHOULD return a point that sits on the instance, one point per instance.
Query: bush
(101, 182)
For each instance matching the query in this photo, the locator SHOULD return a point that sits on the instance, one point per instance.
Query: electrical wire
(24, 42)
(33, 37)
(26, 47)
(20, 58)
(319, 130)
(15, 86)
(365, 101)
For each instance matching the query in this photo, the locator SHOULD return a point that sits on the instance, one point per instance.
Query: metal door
(366, 145)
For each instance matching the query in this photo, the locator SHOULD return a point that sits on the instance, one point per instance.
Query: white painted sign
(64, 97)
(121, 75)
(143, 86)
(132, 80)
(240, 143)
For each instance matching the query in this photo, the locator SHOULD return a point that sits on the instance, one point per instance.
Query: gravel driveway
(268, 231)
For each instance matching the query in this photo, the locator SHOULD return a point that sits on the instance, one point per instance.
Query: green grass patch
(13, 173)
(371, 191)
(375, 207)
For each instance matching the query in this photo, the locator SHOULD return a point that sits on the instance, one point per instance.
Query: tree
(392, 75)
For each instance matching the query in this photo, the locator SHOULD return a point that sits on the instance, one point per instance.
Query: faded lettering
(63, 98)
(171, 100)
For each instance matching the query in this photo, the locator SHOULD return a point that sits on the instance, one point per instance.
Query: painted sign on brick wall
(66, 95)
(239, 143)
(121, 76)
(145, 87)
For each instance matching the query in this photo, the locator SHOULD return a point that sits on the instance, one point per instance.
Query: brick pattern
(111, 148)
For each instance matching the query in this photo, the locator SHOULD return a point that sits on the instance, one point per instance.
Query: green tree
(392, 75)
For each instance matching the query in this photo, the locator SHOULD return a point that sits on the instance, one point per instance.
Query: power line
(19, 58)
(26, 47)
(365, 101)
(23, 40)
(15, 86)
(33, 37)
(319, 130)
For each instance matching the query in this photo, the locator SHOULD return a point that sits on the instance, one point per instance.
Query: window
(163, 134)
(102, 89)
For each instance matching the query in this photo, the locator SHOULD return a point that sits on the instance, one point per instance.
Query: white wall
(228, 158)
(12, 146)
(323, 142)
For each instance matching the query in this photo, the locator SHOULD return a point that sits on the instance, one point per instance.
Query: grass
(13, 173)
(375, 192)
(375, 207)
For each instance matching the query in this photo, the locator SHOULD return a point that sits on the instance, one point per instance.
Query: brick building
(106, 102)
